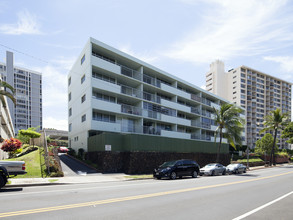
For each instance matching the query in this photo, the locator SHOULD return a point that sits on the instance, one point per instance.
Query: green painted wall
(136, 142)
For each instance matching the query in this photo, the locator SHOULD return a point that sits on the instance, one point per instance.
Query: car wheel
(173, 176)
(159, 178)
(213, 173)
(244, 171)
(224, 172)
(2, 181)
(194, 174)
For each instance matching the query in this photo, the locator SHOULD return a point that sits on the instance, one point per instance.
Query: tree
(31, 133)
(288, 133)
(3, 92)
(275, 121)
(264, 145)
(230, 125)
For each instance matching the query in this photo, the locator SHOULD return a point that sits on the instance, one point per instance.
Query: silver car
(236, 168)
(212, 169)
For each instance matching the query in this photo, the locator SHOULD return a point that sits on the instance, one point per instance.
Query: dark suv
(177, 168)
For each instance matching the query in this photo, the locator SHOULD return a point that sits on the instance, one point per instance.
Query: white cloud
(203, 87)
(26, 24)
(54, 77)
(286, 62)
(50, 122)
(234, 28)
(146, 56)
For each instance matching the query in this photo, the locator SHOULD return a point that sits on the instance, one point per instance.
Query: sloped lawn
(32, 164)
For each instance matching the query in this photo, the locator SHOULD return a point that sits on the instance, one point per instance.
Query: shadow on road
(247, 175)
(11, 189)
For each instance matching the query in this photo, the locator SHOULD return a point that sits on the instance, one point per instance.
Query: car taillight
(23, 166)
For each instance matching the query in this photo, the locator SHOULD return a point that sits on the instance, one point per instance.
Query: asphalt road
(72, 167)
(259, 194)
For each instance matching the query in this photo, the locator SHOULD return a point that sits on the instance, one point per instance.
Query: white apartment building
(28, 94)
(257, 92)
(6, 128)
(111, 91)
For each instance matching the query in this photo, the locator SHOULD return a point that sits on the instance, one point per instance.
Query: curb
(33, 184)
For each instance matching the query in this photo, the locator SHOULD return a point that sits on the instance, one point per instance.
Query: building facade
(6, 128)
(111, 91)
(28, 93)
(257, 92)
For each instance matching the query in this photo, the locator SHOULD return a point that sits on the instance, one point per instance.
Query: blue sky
(181, 37)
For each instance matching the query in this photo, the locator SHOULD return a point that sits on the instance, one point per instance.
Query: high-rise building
(257, 92)
(112, 92)
(28, 93)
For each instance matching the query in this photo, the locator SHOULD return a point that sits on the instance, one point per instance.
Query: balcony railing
(151, 97)
(130, 72)
(196, 97)
(131, 109)
(151, 130)
(131, 91)
(152, 81)
(195, 110)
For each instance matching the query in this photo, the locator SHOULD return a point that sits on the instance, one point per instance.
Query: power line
(33, 57)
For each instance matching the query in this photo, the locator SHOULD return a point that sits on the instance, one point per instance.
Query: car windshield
(211, 165)
(233, 165)
(168, 164)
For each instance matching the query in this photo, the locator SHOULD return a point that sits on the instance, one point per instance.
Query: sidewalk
(85, 178)
(82, 178)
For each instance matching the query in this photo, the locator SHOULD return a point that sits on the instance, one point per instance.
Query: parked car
(177, 168)
(9, 169)
(213, 169)
(236, 168)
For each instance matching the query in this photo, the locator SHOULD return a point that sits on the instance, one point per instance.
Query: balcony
(195, 110)
(131, 91)
(195, 97)
(130, 72)
(105, 106)
(104, 85)
(129, 109)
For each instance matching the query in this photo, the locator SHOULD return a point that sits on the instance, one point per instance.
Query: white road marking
(263, 206)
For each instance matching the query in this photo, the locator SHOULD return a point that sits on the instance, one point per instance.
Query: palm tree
(3, 92)
(230, 125)
(275, 121)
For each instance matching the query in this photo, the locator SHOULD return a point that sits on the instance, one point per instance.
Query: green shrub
(283, 153)
(71, 152)
(57, 174)
(251, 160)
(24, 146)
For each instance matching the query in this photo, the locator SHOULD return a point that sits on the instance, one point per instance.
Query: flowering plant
(11, 145)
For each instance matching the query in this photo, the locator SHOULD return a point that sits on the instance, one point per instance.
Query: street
(259, 194)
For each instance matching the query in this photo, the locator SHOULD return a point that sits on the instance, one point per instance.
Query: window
(69, 81)
(69, 96)
(83, 98)
(83, 118)
(70, 127)
(70, 112)
(82, 79)
(82, 59)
